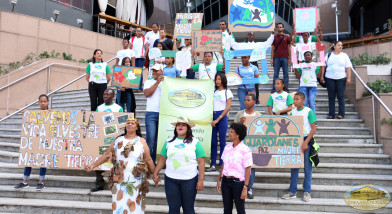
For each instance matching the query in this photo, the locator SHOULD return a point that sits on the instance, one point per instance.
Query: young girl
(161, 47)
(222, 105)
(280, 101)
(43, 101)
(126, 96)
(170, 70)
(98, 77)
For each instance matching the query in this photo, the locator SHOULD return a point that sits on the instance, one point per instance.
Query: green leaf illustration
(172, 155)
(186, 158)
(176, 164)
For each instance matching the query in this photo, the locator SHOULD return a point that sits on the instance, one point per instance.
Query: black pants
(96, 91)
(99, 182)
(231, 190)
(256, 85)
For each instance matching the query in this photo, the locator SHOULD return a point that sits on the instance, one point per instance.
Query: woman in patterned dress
(132, 164)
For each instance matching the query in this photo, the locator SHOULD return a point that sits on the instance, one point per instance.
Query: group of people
(183, 154)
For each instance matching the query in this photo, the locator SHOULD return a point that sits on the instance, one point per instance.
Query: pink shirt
(236, 160)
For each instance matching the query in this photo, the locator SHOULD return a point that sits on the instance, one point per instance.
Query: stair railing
(48, 67)
(374, 95)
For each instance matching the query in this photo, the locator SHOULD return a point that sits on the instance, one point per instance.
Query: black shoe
(21, 186)
(250, 194)
(40, 186)
(211, 169)
(96, 189)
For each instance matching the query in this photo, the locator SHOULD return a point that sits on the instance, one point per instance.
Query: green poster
(191, 98)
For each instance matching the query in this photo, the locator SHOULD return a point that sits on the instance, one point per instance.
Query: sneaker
(96, 189)
(289, 195)
(40, 186)
(211, 169)
(250, 194)
(21, 186)
(306, 197)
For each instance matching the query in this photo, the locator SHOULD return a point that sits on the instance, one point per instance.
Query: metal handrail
(49, 94)
(374, 95)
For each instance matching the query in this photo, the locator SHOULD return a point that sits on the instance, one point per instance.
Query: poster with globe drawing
(127, 77)
(251, 15)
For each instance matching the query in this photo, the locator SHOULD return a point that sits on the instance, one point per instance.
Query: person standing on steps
(125, 52)
(222, 104)
(43, 101)
(153, 35)
(108, 106)
(234, 174)
(183, 155)
(98, 78)
(308, 147)
(337, 77)
(279, 103)
(240, 117)
(207, 70)
(125, 96)
(162, 38)
(152, 91)
(281, 55)
(139, 45)
(246, 71)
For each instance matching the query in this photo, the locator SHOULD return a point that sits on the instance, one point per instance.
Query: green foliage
(44, 54)
(386, 121)
(54, 54)
(366, 59)
(378, 86)
(67, 56)
(85, 61)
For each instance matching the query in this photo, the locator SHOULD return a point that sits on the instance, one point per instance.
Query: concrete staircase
(348, 157)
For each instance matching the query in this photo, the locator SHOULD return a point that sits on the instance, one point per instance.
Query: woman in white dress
(132, 164)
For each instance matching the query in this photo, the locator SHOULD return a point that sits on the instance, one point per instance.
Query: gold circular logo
(367, 197)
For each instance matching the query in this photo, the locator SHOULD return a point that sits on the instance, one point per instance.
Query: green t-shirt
(98, 72)
(110, 108)
(312, 39)
(211, 71)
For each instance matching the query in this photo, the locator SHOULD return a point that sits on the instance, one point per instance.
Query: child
(170, 70)
(126, 96)
(107, 106)
(280, 101)
(43, 101)
(308, 81)
(309, 119)
(161, 47)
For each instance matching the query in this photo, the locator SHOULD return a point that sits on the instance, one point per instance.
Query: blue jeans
(281, 62)
(221, 128)
(242, 92)
(181, 193)
(231, 190)
(310, 96)
(151, 121)
(128, 101)
(252, 178)
(308, 174)
(27, 172)
(336, 88)
(139, 62)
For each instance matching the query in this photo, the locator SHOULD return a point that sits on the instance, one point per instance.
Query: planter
(379, 70)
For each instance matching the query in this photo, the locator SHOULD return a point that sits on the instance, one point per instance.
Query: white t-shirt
(138, 46)
(121, 54)
(246, 115)
(308, 117)
(220, 99)
(308, 76)
(153, 102)
(337, 65)
(110, 108)
(151, 37)
(182, 157)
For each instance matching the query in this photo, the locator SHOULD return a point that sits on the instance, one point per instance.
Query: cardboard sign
(233, 79)
(316, 49)
(305, 19)
(127, 77)
(275, 141)
(247, 16)
(154, 53)
(68, 139)
(258, 54)
(186, 23)
(183, 61)
(206, 41)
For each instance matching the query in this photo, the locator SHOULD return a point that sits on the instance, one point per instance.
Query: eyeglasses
(222, 24)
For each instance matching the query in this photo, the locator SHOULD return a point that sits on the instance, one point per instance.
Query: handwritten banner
(186, 23)
(207, 41)
(68, 139)
(127, 77)
(246, 16)
(305, 19)
(275, 141)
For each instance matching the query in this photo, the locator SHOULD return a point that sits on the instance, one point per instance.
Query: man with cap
(152, 90)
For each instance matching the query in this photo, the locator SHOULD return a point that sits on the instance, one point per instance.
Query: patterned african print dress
(128, 179)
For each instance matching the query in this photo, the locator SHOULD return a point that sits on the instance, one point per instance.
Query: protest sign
(183, 61)
(127, 77)
(275, 141)
(68, 139)
(154, 53)
(185, 23)
(206, 41)
(246, 16)
(233, 79)
(305, 19)
(191, 98)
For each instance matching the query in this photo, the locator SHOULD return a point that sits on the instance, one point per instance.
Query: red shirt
(282, 50)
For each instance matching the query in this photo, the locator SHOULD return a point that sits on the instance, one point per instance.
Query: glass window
(207, 16)
(223, 8)
(215, 11)
(200, 8)
(286, 12)
(281, 8)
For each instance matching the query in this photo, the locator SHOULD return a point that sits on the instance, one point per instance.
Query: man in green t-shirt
(207, 70)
